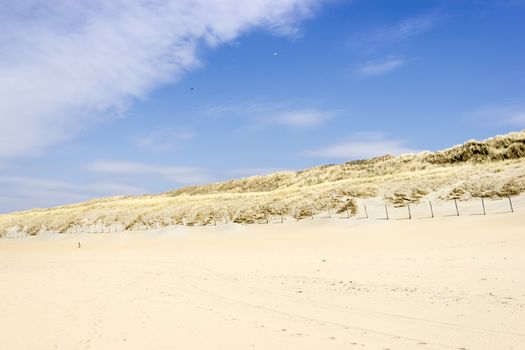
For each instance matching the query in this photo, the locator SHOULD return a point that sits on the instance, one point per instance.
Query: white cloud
(22, 192)
(262, 114)
(303, 118)
(512, 3)
(375, 68)
(517, 118)
(237, 109)
(165, 140)
(176, 174)
(409, 27)
(362, 146)
(508, 114)
(245, 172)
(403, 30)
(67, 64)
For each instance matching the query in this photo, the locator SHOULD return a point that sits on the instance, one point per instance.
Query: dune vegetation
(492, 168)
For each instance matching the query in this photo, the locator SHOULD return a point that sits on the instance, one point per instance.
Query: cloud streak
(363, 146)
(165, 140)
(67, 65)
(408, 28)
(23, 192)
(247, 172)
(508, 114)
(263, 115)
(397, 33)
(177, 174)
(376, 68)
(302, 118)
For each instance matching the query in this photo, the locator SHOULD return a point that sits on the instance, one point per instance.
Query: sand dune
(443, 283)
(494, 168)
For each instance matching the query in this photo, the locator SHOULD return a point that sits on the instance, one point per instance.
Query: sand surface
(444, 283)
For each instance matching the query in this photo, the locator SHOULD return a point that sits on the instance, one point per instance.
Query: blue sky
(127, 97)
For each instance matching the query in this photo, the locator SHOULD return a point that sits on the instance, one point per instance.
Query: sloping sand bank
(443, 283)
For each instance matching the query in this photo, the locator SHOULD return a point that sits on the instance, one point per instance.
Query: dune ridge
(492, 168)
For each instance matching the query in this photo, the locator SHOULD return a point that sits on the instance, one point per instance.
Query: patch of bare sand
(443, 283)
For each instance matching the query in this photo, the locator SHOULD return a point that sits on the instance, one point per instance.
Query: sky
(103, 98)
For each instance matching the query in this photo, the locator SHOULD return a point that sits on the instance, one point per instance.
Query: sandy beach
(443, 283)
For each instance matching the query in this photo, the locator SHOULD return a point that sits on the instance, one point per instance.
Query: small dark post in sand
(409, 212)
(483, 205)
(347, 213)
(330, 213)
(266, 216)
(78, 244)
(281, 214)
(386, 211)
(456, 204)
(366, 211)
(511, 207)
(431, 209)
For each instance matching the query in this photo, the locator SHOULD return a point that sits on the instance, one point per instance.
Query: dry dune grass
(492, 168)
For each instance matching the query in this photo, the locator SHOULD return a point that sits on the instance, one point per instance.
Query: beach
(443, 283)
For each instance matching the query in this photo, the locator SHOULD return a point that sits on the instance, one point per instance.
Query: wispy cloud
(177, 174)
(363, 145)
(165, 140)
(507, 114)
(512, 3)
(22, 192)
(245, 172)
(262, 114)
(302, 118)
(403, 30)
(408, 28)
(517, 117)
(67, 64)
(385, 38)
(379, 67)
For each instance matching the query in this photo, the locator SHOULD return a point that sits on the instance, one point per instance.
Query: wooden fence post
(456, 204)
(366, 211)
(409, 212)
(347, 213)
(330, 213)
(483, 205)
(431, 209)
(511, 207)
(386, 210)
